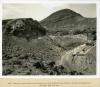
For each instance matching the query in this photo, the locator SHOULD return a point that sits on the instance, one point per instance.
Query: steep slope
(61, 44)
(65, 16)
(66, 22)
(20, 55)
(81, 58)
(24, 28)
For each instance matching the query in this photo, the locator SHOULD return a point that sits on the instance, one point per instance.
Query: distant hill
(62, 17)
(66, 21)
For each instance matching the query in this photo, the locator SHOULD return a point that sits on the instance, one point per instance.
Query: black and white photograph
(49, 39)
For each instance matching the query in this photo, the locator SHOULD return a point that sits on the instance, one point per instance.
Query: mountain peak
(61, 14)
(66, 12)
(66, 21)
(61, 18)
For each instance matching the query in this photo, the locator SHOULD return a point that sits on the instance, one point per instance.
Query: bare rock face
(24, 27)
(81, 59)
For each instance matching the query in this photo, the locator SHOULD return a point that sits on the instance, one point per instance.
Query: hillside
(66, 21)
(23, 28)
(61, 44)
(19, 55)
(65, 16)
(81, 58)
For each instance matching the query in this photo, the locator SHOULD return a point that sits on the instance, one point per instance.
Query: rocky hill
(24, 28)
(81, 58)
(65, 16)
(66, 22)
(61, 44)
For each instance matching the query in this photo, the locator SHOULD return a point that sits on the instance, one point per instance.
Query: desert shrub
(94, 38)
(90, 43)
(49, 68)
(7, 71)
(94, 35)
(64, 33)
(51, 64)
(75, 73)
(16, 62)
(74, 44)
(78, 32)
(23, 56)
(37, 65)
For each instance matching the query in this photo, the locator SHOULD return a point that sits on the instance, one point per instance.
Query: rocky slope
(81, 58)
(24, 28)
(66, 22)
(61, 44)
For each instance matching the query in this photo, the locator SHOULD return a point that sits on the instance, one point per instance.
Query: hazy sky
(41, 11)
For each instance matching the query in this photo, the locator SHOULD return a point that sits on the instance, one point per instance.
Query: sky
(39, 11)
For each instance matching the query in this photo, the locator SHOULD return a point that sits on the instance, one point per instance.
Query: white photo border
(50, 2)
